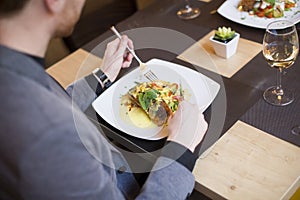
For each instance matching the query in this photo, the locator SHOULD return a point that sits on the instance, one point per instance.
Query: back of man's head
(11, 7)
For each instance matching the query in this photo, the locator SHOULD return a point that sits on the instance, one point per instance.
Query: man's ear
(54, 6)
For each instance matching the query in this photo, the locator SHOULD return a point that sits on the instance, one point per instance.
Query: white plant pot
(225, 50)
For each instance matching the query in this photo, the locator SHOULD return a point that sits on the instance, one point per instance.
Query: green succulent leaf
(224, 33)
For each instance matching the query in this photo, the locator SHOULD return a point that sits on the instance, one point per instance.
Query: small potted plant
(225, 41)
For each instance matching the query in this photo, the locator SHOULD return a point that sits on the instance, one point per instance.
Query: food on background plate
(152, 102)
(266, 8)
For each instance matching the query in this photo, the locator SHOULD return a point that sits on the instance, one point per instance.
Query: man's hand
(116, 57)
(188, 126)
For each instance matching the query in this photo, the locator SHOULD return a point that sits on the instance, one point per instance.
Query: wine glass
(280, 49)
(188, 12)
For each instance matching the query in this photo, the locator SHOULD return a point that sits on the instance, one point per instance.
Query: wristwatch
(102, 78)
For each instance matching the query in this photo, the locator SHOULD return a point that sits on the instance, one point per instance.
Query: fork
(146, 71)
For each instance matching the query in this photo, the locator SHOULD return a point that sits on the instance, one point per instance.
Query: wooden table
(245, 163)
(76, 65)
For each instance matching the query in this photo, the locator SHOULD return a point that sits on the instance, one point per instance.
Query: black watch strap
(106, 82)
(102, 78)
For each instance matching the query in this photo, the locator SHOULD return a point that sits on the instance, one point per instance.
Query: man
(49, 149)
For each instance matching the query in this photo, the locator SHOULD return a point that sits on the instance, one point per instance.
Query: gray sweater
(50, 150)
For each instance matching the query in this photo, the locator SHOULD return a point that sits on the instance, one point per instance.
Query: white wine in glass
(188, 12)
(280, 49)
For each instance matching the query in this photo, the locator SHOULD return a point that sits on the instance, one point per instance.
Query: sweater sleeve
(171, 176)
(84, 91)
(168, 180)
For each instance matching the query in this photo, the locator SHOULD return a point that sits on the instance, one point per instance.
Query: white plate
(229, 10)
(203, 90)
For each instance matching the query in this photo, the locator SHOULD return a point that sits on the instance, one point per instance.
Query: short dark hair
(10, 7)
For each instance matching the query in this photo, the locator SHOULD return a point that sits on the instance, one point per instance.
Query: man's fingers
(127, 59)
(123, 45)
(130, 44)
(112, 46)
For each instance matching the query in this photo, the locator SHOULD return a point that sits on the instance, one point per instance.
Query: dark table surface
(240, 97)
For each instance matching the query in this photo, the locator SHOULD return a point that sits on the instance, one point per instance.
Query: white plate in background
(229, 10)
(203, 90)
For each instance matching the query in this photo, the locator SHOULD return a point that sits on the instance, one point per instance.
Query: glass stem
(279, 90)
(188, 6)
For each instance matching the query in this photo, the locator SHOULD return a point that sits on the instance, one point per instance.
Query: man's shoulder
(10, 56)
